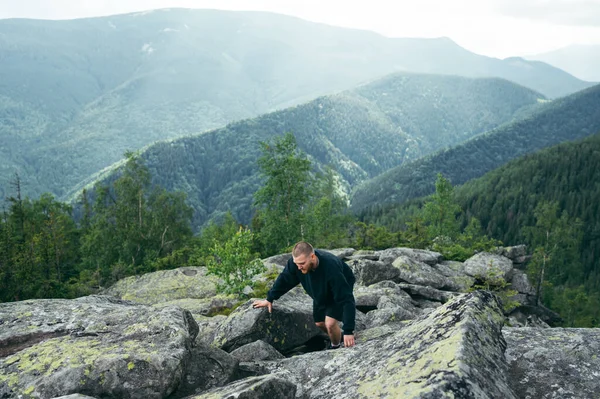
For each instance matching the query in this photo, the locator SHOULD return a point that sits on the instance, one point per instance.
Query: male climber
(328, 281)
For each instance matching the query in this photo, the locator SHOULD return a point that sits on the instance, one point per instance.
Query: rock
(418, 255)
(369, 272)
(415, 272)
(388, 315)
(420, 292)
(75, 396)
(522, 260)
(368, 297)
(341, 253)
(290, 325)
(380, 331)
(543, 313)
(520, 283)
(166, 286)
(99, 345)
(456, 351)
(515, 252)
(277, 260)
(207, 328)
(253, 388)
(364, 254)
(205, 306)
(257, 350)
(486, 265)
(208, 368)
(553, 362)
(520, 319)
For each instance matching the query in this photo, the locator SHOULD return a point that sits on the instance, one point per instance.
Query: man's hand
(348, 340)
(264, 303)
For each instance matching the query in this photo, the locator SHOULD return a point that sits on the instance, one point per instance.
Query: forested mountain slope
(566, 119)
(359, 133)
(74, 95)
(508, 200)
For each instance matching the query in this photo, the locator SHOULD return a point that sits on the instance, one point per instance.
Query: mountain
(565, 119)
(582, 61)
(74, 95)
(359, 133)
(505, 199)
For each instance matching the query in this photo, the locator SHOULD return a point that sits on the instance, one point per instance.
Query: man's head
(304, 257)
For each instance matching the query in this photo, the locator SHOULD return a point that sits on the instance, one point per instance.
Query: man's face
(305, 263)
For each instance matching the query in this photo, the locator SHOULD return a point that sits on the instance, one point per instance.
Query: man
(328, 281)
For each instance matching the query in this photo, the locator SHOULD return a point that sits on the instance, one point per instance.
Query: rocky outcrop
(417, 336)
(94, 345)
(552, 363)
(456, 351)
(289, 325)
(164, 286)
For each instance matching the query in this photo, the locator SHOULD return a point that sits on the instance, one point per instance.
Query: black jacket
(329, 284)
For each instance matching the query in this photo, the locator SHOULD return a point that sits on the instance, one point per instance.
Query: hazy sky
(498, 28)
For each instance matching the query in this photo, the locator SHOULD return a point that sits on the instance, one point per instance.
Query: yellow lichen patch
(29, 390)
(130, 366)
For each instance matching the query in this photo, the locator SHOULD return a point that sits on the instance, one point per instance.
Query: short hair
(302, 248)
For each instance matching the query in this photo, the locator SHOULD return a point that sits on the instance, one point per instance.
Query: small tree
(440, 211)
(283, 199)
(234, 263)
(556, 241)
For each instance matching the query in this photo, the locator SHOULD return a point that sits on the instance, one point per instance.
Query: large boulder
(166, 285)
(520, 283)
(456, 279)
(207, 368)
(257, 350)
(415, 272)
(96, 345)
(456, 351)
(291, 324)
(487, 265)
(420, 255)
(418, 292)
(203, 307)
(341, 253)
(553, 362)
(369, 272)
(261, 387)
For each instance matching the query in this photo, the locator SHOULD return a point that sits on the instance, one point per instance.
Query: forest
(130, 226)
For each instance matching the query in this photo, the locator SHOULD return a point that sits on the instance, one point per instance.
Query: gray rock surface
(415, 272)
(166, 285)
(341, 253)
(553, 363)
(456, 351)
(419, 291)
(379, 317)
(290, 325)
(98, 345)
(520, 283)
(420, 255)
(484, 264)
(257, 350)
(207, 328)
(207, 368)
(369, 272)
(263, 387)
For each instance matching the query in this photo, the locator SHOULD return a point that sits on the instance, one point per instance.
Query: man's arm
(286, 280)
(342, 294)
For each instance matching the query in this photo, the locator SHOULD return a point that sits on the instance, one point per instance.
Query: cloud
(561, 12)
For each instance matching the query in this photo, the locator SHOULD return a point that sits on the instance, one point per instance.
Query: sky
(496, 28)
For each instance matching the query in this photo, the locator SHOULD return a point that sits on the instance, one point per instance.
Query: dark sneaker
(331, 347)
